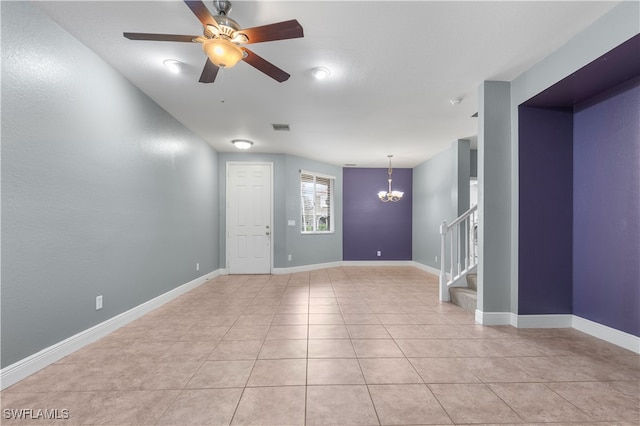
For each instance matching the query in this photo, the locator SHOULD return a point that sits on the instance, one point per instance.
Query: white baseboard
(313, 267)
(603, 332)
(305, 268)
(611, 335)
(25, 367)
(426, 268)
(378, 263)
(494, 318)
(544, 321)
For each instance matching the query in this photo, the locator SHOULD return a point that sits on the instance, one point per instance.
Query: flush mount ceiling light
(393, 196)
(173, 65)
(320, 73)
(242, 143)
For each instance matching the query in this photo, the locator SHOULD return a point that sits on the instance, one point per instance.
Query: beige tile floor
(339, 346)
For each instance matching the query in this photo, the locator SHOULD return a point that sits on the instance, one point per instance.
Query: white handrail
(461, 236)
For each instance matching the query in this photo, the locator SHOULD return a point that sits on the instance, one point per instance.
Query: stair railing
(461, 238)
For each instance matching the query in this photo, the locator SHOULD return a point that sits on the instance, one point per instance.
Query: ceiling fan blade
(202, 13)
(159, 37)
(209, 72)
(265, 66)
(278, 31)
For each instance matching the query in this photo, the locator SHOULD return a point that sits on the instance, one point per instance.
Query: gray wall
(440, 192)
(304, 249)
(614, 28)
(103, 192)
(474, 163)
(494, 197)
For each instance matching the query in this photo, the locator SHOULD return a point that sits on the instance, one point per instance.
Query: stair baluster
(460, 235)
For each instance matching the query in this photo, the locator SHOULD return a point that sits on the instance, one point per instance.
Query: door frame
(226, 207)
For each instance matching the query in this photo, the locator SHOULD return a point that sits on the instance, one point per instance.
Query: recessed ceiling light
(242, 143)
(173, 65)
(320, 73)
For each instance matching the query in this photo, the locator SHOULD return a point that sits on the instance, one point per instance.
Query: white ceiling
(394, 68)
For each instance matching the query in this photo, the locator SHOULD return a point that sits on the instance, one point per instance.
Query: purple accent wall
(545, 211)
(371, 225)
(606, 248)
(604, 98)
(611, 69)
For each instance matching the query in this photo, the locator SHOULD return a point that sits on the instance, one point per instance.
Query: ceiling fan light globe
(222, 53)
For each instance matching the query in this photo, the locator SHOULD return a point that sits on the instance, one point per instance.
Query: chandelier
(386, 196)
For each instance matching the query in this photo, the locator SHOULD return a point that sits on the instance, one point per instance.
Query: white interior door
(249, 218)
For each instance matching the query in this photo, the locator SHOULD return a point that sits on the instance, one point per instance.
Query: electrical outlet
(197, 266)
(98, 302)
(379, 253)
(436, 259)
(289, 258)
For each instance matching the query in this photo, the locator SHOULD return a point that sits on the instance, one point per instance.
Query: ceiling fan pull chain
(222, 85)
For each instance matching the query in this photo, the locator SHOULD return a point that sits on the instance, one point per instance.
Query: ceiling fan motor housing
(227, 27)
(222, 6)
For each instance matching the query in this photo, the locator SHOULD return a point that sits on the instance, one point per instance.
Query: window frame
(331, 212)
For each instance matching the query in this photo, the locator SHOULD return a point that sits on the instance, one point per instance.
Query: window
(316, 202)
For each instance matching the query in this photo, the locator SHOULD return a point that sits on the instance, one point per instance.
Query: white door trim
(226, 207)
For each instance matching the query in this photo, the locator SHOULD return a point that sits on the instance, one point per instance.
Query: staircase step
(472, 281)
(466, 298)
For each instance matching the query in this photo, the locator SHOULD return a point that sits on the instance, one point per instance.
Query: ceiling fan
(222, 39)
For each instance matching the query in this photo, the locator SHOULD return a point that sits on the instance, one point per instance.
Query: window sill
(318, 233)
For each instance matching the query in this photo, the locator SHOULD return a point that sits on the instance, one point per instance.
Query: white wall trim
(377, 263)
(426, 268)
(544, 321)
(600, 331)
(305, 268)
(494, 318)
(611, 335)
(25, 367)
(313, 267)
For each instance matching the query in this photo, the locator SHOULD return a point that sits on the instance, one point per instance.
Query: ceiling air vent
(280, 127)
